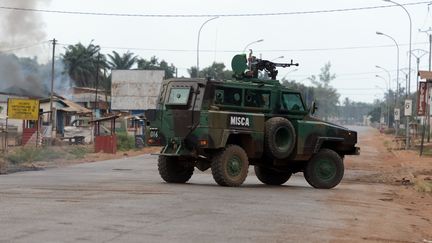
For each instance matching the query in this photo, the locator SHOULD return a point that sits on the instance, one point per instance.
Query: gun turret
(269, 67)
(250, 67)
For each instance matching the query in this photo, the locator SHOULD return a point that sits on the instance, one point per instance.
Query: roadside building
(65, 113)
(97, 101)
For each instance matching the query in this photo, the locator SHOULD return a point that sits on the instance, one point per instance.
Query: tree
(125, 61)
(307, 91)
(82, 63)
(375, 114)
(326, 96)
(193, 72)
(154, 64)
(354, 112)
(216, 71)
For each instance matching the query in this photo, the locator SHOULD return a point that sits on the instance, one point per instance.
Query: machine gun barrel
(284, 65)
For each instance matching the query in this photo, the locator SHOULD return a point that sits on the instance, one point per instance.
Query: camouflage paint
(204, 125)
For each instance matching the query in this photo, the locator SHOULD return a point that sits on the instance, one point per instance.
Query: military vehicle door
(181, 107)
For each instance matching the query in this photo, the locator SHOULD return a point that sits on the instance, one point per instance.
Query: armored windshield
(292, 102)
(179, 96)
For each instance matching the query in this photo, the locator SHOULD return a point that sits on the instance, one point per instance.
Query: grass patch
(25, 155)
(33, 154)
(423, 186)
(79, 152)
(427, 151)
(125, 142)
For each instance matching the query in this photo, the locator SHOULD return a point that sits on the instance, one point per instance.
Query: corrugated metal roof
(74, 107)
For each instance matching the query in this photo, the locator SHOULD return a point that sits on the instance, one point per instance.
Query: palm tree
(82, 63)
(126, 61)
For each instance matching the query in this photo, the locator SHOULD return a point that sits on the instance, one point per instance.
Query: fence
(8, 135)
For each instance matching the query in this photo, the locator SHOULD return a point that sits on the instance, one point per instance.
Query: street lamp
(388, 73)
(253, 42)
(397, 69)
(409, 64)
(388, 102)
(410, 40)
(198, 41)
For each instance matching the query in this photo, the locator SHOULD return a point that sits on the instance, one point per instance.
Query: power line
(23, 47)
(206, 15)
(268, 50)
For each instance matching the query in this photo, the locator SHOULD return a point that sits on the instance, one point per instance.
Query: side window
(228, 96)
(292, 102)
(257, 98)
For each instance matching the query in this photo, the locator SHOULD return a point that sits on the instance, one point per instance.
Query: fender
(321, 140)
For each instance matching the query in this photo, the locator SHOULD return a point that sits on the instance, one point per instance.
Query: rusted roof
(69, 106)
(73, 107)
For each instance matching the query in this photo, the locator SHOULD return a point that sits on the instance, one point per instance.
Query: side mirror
(313, 108)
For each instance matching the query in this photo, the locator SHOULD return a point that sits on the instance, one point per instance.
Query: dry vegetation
(35, 158)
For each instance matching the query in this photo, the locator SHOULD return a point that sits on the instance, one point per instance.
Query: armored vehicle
(250, 120)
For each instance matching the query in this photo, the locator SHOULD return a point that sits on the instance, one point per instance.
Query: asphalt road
(126, 201)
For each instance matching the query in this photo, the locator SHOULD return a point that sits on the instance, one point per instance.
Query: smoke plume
(21, 28)
(23, 75)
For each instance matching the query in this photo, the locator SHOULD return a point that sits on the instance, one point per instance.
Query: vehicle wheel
(280, 137)
(271, 177)
(230, 166)
(325, 170)
(172, 171)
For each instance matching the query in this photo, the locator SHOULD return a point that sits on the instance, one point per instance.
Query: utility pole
(407, 140)
(96, 85)
(429, 33)
(418, 54)
(54, 42)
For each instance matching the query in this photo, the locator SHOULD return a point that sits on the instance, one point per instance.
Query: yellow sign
(23, 109)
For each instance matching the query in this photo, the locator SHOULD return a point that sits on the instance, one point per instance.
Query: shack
(66, 113)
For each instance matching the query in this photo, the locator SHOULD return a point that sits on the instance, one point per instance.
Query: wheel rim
(325, 169)
(234, 166)
(282, 139)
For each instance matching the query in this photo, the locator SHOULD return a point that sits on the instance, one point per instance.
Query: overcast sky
(301, 37)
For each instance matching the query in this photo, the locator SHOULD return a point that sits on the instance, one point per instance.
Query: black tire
(271, 177)
(279, 138)
(325, 170)
(172, 171)
(230, 166)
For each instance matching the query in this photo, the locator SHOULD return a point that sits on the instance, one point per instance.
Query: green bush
(78, 152)
(125, 142)
(33, 154)
(25, 155)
